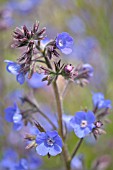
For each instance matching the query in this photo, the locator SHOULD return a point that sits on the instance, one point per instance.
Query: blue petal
(55, 150)
(79, 132)
(20, 78)
(9, 112)
(41, 137)
(13, 68)
(42, 149)
(90, 117)
(52, 134)
(58, 141)
(17, 126)
(66, 50)
(97, 97)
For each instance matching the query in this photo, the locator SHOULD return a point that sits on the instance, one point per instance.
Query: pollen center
(50, 141)
(83, 123)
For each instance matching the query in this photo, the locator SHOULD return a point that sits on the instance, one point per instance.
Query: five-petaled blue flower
(99, 101)
(48, 143)
(64, 42)
(83, 123)
(12, 114)
(14, 68)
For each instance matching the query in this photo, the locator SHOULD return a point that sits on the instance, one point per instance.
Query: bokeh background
(90, 22)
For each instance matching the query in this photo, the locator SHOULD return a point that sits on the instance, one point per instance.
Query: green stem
(76, 148)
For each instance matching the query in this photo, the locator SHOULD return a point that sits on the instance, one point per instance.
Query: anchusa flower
(48, 143)
(9, 159)
(64, 42)
(100, 102)
(12, 114)
(83, 123)
(77, 162)
(15, 68)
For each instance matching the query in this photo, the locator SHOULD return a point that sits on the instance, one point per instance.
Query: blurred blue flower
(90, 139)
(14, 68)
(6, 20)
(66, 120)
(83, 123)
(15, 95)
(36, 81)
(99, 102)
(76, 25)
(85, 48)
(22, 165)
(64, 42)
(34, 162)
(9, 159)
(89, 69)
(12, 114)
(77, 162)
(23, 6)
(48, 143)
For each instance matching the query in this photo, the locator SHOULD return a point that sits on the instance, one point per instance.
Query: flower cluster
(42, 62)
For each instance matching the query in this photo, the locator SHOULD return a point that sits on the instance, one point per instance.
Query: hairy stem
(76, 148)
(66, 155)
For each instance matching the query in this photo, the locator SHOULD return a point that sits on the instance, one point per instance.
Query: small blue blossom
(9, 159)
(12, 114)
(23, 6)
(22, 165)
(100, 102)
(83, 123)
(48, 143)
(14, 68)
(64, 42)
(89, 69)
(76, 25)
(77, 162)
(36, 81)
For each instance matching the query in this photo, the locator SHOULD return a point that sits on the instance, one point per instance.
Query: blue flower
(100, 102)
(64, 42)
(36, 81)
(9, 159)
(12, 114)
(48, 143)
(25, 6)
(83, 123)
(77, 162)
(89, 69)
(22, 165)
(14, 68)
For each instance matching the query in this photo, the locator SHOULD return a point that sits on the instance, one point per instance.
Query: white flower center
(60, 43)
(83, 123)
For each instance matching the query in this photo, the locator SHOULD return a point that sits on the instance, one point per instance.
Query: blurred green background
(90, 22)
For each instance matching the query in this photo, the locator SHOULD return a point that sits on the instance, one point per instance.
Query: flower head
(12, 114)
(100, 102)
(15, 68)
(83, 123)
(64, 42)
(48, 143)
